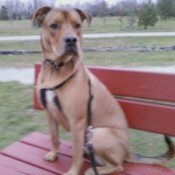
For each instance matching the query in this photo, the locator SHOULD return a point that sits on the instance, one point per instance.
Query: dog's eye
(77, 26)
(54, 26)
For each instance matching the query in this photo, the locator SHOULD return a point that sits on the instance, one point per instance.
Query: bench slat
(150, 85)
(34, 156)
(44, 142)
(149, 117)
(9, 166)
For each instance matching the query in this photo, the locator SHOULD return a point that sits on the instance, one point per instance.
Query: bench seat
(25, 157)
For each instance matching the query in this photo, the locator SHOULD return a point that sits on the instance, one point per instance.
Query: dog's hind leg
(111, 164)
(105, 170)
(111, 153)
(53, 126)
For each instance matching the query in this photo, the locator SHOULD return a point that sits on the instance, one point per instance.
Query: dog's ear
(84, 16)
(39, 15)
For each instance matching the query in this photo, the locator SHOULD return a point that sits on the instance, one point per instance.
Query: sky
(110, 2)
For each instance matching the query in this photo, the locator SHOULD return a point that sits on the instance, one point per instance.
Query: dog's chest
(49, 99)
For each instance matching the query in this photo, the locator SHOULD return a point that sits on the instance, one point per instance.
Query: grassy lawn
(100, 42)
(115, 58)
(112, 24)
(17, 116)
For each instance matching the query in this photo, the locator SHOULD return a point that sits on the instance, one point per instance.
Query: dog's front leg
(53, 126)
(78, 134)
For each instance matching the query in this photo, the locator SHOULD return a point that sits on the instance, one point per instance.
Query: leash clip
(89, 134)
(55, 65)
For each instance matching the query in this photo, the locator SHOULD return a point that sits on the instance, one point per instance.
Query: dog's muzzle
(70, 45)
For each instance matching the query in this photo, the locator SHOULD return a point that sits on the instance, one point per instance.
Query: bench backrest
(147, 98)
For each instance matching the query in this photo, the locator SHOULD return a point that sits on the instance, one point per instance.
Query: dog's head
(61, 31)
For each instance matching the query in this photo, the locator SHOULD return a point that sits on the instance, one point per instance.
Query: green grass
(112, 24)
(19, 61)
(112, 59)
(130, 59)
(149, 144)
(115, 58)
(100, 42)
(17, 27)
(20, 45)
(17, 116)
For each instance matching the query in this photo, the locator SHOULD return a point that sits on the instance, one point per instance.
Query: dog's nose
(70, 40)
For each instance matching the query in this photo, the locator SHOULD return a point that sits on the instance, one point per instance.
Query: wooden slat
(43, 141)
(150, 117)
(9, 171)
(9, 166)
(34, 156)
(142, 169)
(37, 68)
(151, 85)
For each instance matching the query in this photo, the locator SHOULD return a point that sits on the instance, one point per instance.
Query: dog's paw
(50, 156)
(69, 173)
(89, 172)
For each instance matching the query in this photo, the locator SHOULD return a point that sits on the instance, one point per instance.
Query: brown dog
(65, 88)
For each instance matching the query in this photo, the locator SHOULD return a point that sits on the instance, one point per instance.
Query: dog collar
(55, 65)
(58, 65)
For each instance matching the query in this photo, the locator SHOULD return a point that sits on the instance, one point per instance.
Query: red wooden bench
(148, 100)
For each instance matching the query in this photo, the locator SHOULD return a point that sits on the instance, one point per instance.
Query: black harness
(89, 131)
(55, 66)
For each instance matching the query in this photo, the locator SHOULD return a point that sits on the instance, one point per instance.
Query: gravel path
(95, 35)
(24, 75)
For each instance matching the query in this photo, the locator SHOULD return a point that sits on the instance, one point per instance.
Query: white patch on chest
(49, 96)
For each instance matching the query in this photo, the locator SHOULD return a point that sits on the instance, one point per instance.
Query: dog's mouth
(71, 49)
(69, 53)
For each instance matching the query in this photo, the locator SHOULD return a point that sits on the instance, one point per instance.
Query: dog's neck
(55, 72)
(55, 65)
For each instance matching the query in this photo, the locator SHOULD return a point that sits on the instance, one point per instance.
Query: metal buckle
(89, 134)
(55, 65)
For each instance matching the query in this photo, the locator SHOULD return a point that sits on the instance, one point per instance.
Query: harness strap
(89, 107)
(92, 157)
(89, 131)
(56, 99)
(62, 83)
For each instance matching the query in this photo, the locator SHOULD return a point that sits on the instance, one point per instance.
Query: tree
(4, 13)
(166, 8)
(147, 15)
